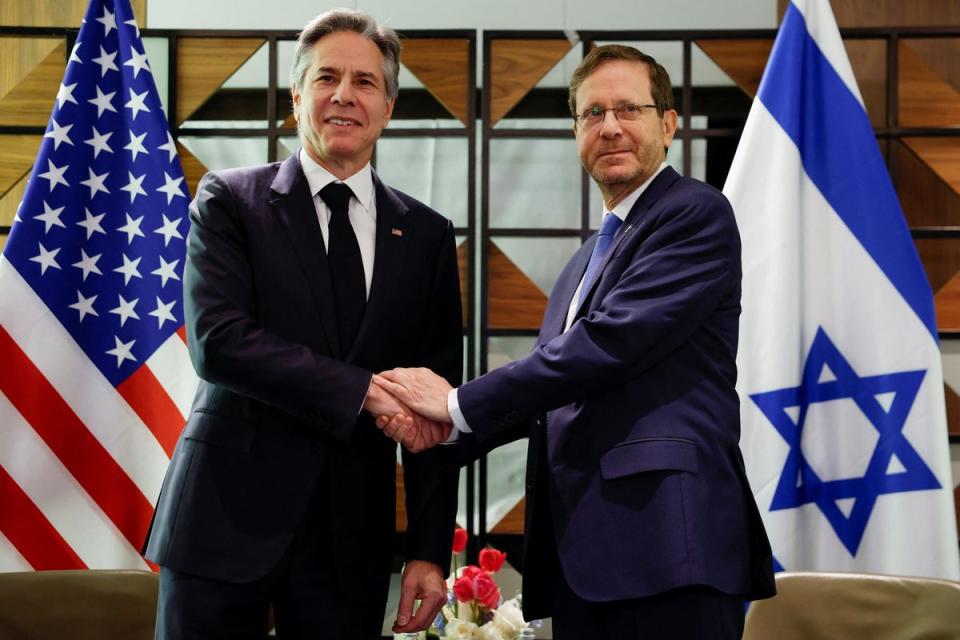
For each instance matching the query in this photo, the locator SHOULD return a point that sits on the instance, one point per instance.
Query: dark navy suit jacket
(275, 416)
(632, 414)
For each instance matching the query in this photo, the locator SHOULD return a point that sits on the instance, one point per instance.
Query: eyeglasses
(624, 112)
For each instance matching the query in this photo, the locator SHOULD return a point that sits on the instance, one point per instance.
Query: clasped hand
(410, 406)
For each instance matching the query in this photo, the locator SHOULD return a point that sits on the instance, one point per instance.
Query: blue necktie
(604, 238)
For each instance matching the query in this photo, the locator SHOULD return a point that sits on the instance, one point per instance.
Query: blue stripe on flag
(839, 152)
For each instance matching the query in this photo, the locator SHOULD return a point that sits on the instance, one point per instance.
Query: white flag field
(840, 381)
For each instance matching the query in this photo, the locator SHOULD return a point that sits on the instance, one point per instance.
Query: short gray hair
(338, 20)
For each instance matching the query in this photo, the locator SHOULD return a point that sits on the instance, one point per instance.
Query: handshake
(410, 406)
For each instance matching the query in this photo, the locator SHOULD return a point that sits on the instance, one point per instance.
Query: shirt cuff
(459, 422)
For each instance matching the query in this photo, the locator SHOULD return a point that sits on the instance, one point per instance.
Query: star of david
(799, 483)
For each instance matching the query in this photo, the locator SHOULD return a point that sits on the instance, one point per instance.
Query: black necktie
(346, 265)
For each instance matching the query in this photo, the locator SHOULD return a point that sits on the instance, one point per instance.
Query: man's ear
(295, 96)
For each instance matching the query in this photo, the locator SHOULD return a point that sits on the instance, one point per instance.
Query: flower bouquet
(475, 609)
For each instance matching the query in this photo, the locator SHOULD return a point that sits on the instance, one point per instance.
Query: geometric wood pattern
(942, 155)
(893, 13)
(516, 66)
(19, 152)
(742, 60)
(28, 103)
(54, 13)
(943, 56)
(953, 409)
(947, 304)
(20, 56)
(10, 201)
(513, 300)
(442, 65)
(513, 521)
(941, 259)
(193, 169)
(927, 200)
(926, 99)
(204, 64)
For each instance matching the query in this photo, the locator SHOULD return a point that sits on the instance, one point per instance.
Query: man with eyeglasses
(640, 522)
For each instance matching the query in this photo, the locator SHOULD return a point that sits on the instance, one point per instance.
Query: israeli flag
(840, 381)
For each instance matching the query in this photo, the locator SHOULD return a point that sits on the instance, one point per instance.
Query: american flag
(95, 379)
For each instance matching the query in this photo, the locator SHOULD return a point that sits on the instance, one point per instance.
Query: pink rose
(463, 589)
(491, 560)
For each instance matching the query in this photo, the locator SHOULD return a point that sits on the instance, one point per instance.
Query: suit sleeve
(431, 478)
(230, 349)
(675, 279)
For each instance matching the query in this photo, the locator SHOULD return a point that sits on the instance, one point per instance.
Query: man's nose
(344, 92)
(610, 126)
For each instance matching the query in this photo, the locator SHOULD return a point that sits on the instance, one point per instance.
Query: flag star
(129, 269)
(103, 101)
(106, 62)
(138, 61)
(135, 145)
(170, 147)
(59, 134)
(166, 271)
(50, 217)
(122, 349)
(55, 175)
(99, 142)
(108, 20)
(95, 182)
(169, 229)
(137, 103)
(172, 187)
(84, 306)
(46, 259)
(163, 312)
(73, 54)
(65, 94)
(134, 187)
(126, 310)
(133, 23)
(132, 228)
(88, 264)
(92, 223)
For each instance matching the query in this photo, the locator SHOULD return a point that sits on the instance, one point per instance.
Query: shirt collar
(361, 183)
(625, 205)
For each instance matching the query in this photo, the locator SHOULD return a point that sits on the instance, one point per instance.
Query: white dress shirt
(621, 211)
(362, 209)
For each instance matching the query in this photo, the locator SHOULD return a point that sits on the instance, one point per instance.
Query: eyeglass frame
(579, 118)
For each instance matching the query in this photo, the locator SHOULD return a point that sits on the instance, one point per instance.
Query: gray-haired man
(281, 489)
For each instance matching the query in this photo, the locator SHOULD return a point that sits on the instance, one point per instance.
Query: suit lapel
(556, 316)
(650, 195)
(392, 240)
(293, 205)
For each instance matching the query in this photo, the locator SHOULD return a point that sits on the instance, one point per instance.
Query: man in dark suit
(640, 522)
(281, 490)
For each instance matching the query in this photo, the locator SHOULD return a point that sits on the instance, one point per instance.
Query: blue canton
(100, 232)
(800, 484)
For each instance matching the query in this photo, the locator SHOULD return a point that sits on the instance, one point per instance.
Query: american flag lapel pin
(397, 232)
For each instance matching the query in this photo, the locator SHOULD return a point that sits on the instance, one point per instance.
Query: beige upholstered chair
(852, 606)
(79, 605)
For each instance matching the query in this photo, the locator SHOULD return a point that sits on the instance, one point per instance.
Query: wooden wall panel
(892, 13)
(943, 56)
(513, 522)
(3, 240)
(54, 13)
(516, 66)
(946, 301)
(204, 64)
(513, 300)
(16, 159)
(442, 65)
(941, 259)
(193, 169)
(29, 102)
(942, 155)
(464, 269)
(742, 60)
(953, 410)
(11, 200)
(20, 56)
(926, 199)
(926, 99)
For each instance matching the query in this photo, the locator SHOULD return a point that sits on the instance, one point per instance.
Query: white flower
(460, 630)
(508, 619)
(489, 632)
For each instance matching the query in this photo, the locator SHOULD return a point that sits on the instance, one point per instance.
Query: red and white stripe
(81, 462)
